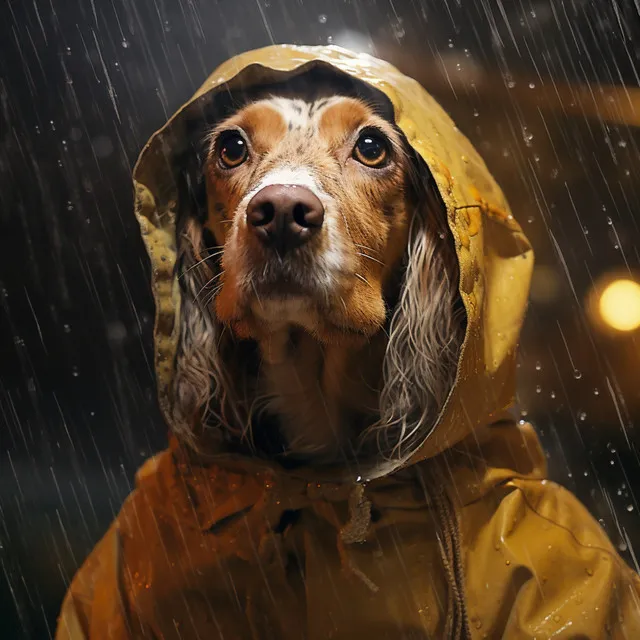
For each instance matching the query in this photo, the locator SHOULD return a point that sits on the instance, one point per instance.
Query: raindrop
(538, 389)
(582, 416)
(399, 31)
(538, 366)
(329, 39)
(475, 113)
(511, 84)
(68, 52)
(74, 372)
(125, 43)
(67, 328)
(450, 44)
(527, 136)
(622, 143)
(577, 374)
(532, 85)
(167, 26)
(622, 546)
(322, 18)
(552, 395)
(630, 507)
(609, 221)
(596, 392)
(69, 205)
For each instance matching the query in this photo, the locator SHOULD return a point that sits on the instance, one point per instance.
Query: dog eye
(372, 149)
(232, 150)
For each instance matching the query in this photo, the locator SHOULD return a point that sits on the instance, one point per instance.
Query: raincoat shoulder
(539, 566)
(141, 580)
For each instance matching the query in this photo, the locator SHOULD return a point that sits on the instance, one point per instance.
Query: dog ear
(203, 394)
(426, 328)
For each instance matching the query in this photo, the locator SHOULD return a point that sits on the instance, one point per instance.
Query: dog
(320, 286)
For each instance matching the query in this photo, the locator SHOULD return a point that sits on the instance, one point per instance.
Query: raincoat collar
(490, 457)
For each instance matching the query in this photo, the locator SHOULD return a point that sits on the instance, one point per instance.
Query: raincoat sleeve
(541, 567)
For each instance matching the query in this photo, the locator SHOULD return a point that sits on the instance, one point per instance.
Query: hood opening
(267, 441)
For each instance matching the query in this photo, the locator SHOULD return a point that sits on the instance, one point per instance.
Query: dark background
(548, 91)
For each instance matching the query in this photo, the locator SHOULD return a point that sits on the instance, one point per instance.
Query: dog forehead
(327, 117)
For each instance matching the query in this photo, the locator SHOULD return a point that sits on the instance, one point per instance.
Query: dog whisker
(209, 283)
(193, 266)
(364, 247)
(364, 255)
(357, 275)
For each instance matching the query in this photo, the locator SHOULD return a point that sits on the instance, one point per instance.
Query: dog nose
(285, 216)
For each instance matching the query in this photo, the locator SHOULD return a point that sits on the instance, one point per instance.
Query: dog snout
(284, 216)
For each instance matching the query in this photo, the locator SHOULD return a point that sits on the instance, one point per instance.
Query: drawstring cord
(456, 623)
(449, 543)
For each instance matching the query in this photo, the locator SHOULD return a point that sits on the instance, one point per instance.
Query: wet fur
(340, 380)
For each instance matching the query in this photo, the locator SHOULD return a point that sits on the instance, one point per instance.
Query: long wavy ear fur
(203, 393)
(426, 329)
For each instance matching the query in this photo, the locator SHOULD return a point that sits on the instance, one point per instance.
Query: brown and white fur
(349, 341)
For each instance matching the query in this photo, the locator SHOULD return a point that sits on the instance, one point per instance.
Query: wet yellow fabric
(232, 547)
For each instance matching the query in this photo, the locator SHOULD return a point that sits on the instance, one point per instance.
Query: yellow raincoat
(466, 539)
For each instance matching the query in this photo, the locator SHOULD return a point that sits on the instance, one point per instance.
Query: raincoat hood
(468, 541)
(492, 251)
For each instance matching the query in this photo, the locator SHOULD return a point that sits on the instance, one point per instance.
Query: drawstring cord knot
(355, 531)
(359, 522)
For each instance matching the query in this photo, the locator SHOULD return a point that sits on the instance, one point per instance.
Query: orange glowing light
(619, 305)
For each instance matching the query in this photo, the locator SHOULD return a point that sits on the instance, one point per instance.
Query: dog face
(319, 288)
(308, 202)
